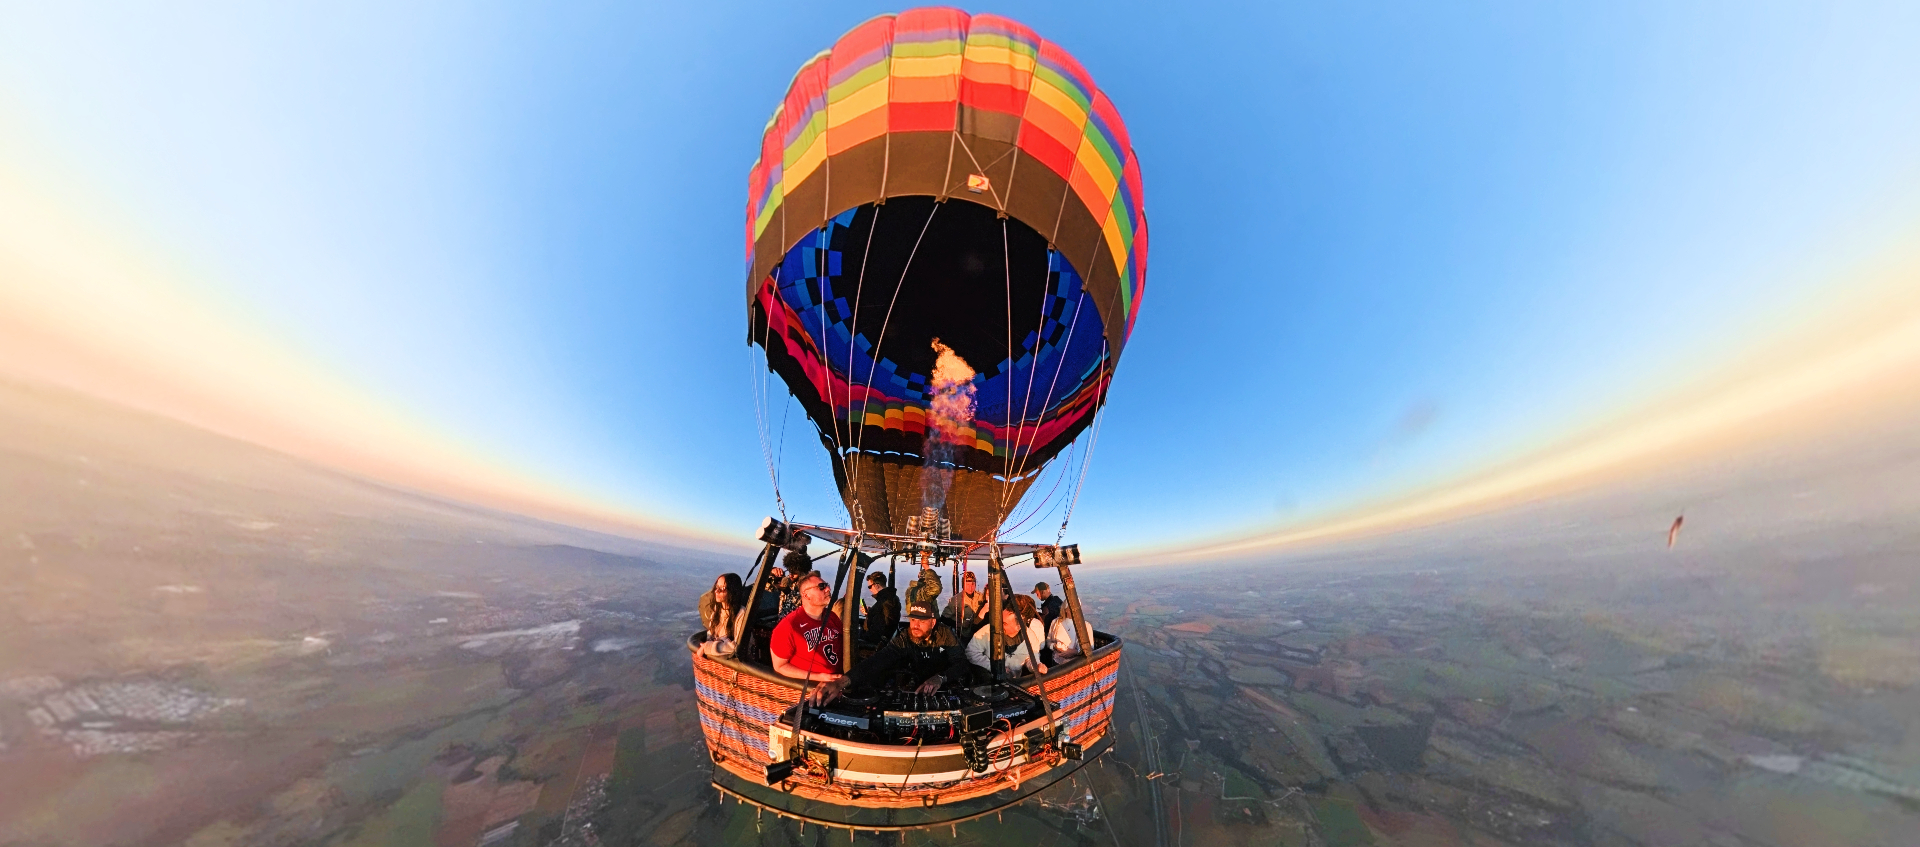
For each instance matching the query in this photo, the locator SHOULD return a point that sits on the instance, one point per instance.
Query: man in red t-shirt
(806, 643)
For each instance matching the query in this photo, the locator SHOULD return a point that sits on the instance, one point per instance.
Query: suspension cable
(1047, 505)
(1035, 508)
(780, 451)
(884, 321)
(821, 282)
(1099, 417)
(1006, 494)
(1074, 467)
(756, 385)
(1057, 368)
(855, 428)
(1006, 261)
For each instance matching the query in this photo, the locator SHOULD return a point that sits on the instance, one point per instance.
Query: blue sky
(1392, 244)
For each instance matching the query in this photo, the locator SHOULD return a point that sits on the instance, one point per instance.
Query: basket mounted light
(773, 531)
(778, 772)
(1053, 557)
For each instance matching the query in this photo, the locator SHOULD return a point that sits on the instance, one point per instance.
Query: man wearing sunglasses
(930, 654)
(806, 643)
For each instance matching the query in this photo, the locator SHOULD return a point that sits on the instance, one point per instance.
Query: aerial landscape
(1754, 685)
(1519, 443)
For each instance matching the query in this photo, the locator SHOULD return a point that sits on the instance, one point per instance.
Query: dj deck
(907, 717)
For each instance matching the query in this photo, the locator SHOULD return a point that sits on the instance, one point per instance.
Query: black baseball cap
(922, 609)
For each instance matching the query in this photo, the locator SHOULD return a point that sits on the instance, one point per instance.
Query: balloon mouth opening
(945, 355)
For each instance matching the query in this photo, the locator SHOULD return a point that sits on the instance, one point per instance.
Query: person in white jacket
(1020, 660)
(1063, 642)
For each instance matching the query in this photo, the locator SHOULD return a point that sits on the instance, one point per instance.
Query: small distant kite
(1673, 532)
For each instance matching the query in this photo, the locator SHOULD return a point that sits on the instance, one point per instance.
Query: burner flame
(949, 423)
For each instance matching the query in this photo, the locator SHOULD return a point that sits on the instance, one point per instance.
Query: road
(1151, 746)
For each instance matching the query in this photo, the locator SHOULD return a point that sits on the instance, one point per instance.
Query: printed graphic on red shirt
(810, 645)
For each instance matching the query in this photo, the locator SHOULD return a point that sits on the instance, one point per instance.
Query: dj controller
(902, 716)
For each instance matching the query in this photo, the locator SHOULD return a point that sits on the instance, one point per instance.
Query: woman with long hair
(719, 608)
(1036, 636)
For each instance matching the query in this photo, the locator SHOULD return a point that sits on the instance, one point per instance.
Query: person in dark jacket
(931, 654)
(968, 609)
(926, 587)
(883, 614)
(1049, 604)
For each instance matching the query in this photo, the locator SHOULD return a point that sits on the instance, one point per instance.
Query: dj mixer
(902, 716)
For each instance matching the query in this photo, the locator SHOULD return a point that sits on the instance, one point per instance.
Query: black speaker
(976, 718)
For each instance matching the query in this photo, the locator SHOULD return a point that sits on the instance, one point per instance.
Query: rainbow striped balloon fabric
(939, 175)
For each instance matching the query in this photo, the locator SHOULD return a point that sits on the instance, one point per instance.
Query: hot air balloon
(859, 258)
(945, 253)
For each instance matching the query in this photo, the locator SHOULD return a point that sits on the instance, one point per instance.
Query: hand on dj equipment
(932, 684)
(828, 691)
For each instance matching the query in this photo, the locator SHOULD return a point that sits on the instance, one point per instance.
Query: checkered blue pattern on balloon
(1052, 360)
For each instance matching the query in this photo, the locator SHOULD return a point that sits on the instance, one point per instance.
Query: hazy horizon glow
(1857, 377)
(82, 313)
(493, 255)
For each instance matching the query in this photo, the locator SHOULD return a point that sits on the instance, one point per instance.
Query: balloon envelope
(940, 177)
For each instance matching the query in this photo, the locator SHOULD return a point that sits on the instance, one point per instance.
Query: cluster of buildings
(127, 716)
(588, 802)
(87, 743)
(137, 700)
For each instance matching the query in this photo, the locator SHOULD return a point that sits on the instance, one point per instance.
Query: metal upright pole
(761, 568)
(996, 576)
(959, 605)
(1079, 614)
(840, 574)
(849, 607)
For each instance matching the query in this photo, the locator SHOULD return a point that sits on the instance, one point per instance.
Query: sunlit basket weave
(738, 707)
